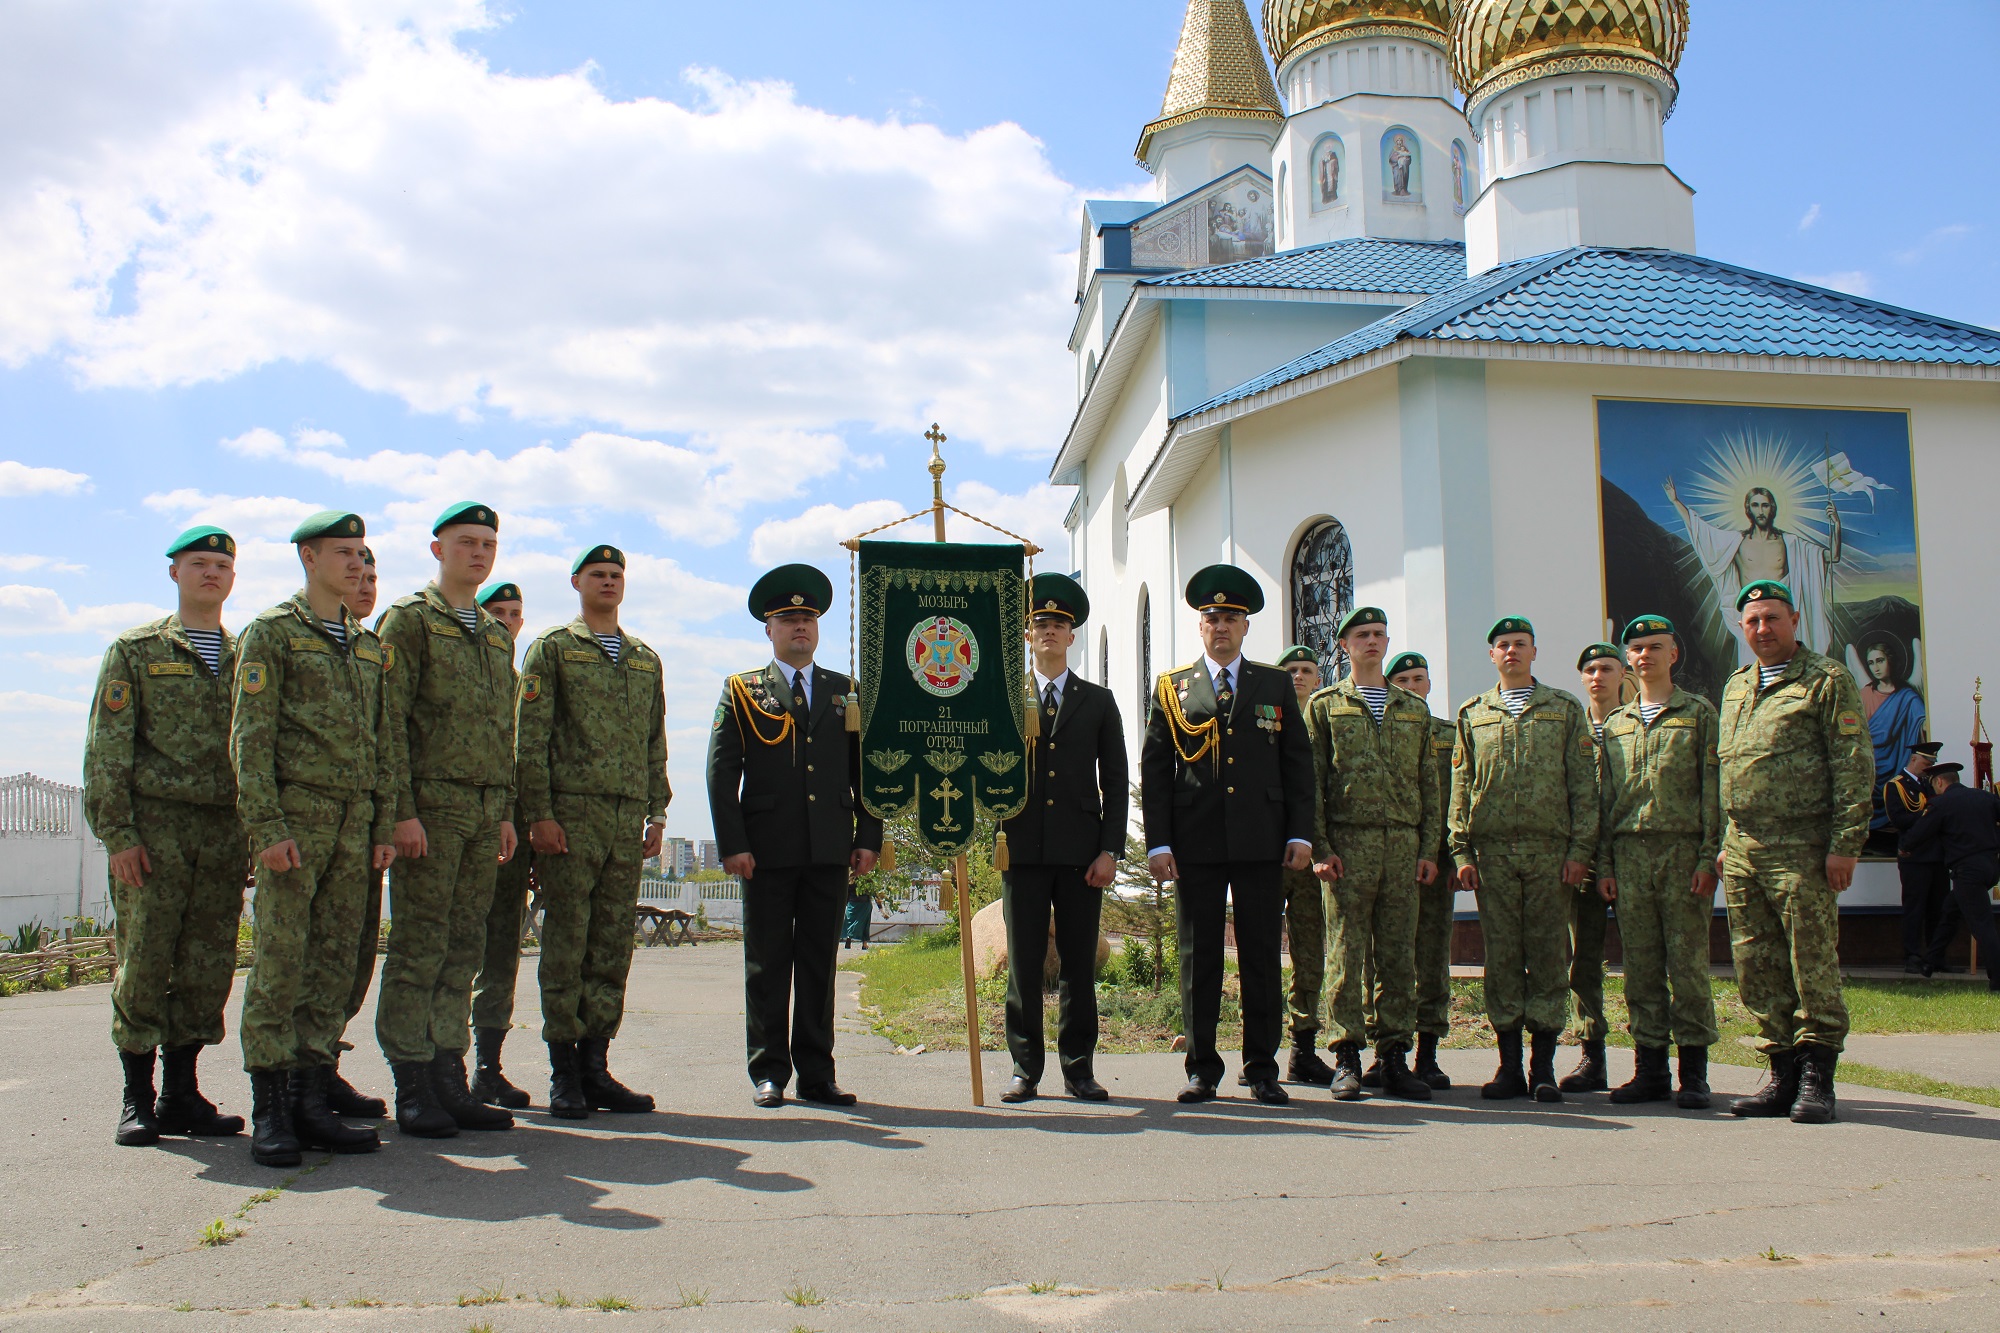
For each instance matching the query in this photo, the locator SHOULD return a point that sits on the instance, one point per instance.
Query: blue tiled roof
(1656, 301)
(1362, 265)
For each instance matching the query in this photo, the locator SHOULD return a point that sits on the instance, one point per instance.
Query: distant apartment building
(678, 858)
(707, 857)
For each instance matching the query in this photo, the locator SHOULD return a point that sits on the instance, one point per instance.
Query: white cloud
(1812, 216)
(1934, 240)
(1036, 513)
(243, 516)
(26, 701)
(815, 536)
(1856, 282)
(21, 564)
(17, 479)
(27, 609)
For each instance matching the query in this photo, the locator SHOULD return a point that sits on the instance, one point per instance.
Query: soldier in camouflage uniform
(1377, 815)
(1797, 772)
(1524, 821)
(160, 796)
(1656, 860)
(1435, 900)
(342, 1097)
(493, 990)
(315, 791)
(1602, 668)
(1305, 918)
(450, 742)
(591, 774)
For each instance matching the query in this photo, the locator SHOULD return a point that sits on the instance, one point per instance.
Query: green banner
(942, 700)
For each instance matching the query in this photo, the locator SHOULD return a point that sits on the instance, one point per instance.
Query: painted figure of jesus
(1733, 559)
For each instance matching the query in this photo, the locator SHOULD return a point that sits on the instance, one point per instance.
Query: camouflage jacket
(1797, 762)
(159, 728)
(450, 697)
(1663, 776)
(1531, 778)
(587, 726)
(308, 713)
(1443, 737)
(1373, 774)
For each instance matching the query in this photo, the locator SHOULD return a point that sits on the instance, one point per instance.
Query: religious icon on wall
(1239, 223)
(1327, 156)
(1402, 173)
(1462, 189)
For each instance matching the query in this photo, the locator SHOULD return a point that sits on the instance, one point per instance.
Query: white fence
(51, 868)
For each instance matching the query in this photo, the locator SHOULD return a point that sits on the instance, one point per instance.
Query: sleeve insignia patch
(253, 677)
(531, 688)
(388, 657)
(1458, 757)
(1850, 724)
(1584, 744)
(721, 715)
(117, 694)
(170, 668)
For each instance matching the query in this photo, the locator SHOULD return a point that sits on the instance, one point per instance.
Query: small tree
(1143, 910)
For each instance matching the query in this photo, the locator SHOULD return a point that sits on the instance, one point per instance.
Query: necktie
(1224, 695)
(1049, 700)
(799, 691)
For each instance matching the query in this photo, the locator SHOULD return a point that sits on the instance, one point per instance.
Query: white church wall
(1366, 202)
(1217, 344)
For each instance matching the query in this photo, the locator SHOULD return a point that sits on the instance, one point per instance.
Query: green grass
(218, 1233)
(612, 1303)
(804, 1296)
(692, 1297)
(1897, 1080)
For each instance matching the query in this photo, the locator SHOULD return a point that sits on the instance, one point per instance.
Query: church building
(1417, 320)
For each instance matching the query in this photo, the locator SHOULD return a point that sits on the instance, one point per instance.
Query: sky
(689, 278)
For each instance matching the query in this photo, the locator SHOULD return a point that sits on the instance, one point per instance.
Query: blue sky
(691, 278)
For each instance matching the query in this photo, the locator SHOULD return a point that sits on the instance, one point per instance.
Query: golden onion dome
(1497, 44)
(1292, 27)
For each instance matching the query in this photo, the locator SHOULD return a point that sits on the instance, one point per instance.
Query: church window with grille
(1145, 649)
(1323, 592)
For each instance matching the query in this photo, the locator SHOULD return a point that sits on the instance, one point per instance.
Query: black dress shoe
(826, 1094)
(768, 1094)
(1268, 1091)
(1197, 1090)
(1086, 1089)
(1019, 1090)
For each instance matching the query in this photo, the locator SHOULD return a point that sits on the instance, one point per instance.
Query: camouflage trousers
(1372, 913)
(306, 922)
(1784, 926)
(1305, 941)
(493, 990)
(176, 937)
(1665, 929)
(1434, 926)
(589, 894)
(1524, 919)
(1589, 915)
(437, 922)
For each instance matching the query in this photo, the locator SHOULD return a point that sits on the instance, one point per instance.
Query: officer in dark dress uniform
(1963, 823)
(1062, 849)
(784, 784)
(1926, 879)
(1226, 774)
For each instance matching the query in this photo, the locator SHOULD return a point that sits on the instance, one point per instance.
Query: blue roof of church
(1652, 300)
(1360, 265)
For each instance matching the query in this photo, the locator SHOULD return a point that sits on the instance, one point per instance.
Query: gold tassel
(853, 711)
(1033, 729)
(887, 860)
(1000, 851)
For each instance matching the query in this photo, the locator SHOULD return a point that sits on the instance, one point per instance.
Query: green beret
(368, 556)
(1407, 662)
(1764, 590)
(1225, 588)
(499, 592)
(330, 523)
(1058, 595)
(1359, 616)
(210, 539)
(1510, 625)
(1598, 652)
(1642, 626)
(598, 555)
(468, 511)
(1298, 652)
(791, 588)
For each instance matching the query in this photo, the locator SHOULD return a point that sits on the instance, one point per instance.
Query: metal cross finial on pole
(937, 437)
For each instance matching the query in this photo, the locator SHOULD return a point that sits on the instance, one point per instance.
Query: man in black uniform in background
(1926, 878)
(784, 786)
(1062, 849)
(1226, 776)
(1964, 824)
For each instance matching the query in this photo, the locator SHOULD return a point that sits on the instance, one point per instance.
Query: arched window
(1145, 648)
(1284, 205)
(1322, 592)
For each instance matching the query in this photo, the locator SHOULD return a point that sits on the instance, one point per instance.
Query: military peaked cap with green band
(1928, 748)
(468, 511)
(330, 523)
(367, 556)
(1642, 626)
(499, 592)
(1408, 662)
(1598, 652)
(1058, 595)
(598, 555)
(1225, 588)
(1510, 625)
(1359, 616)
(1764, 590)
(791, 588)
(1298, 652)
(210, 539)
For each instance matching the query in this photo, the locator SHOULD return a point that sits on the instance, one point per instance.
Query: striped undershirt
(1375, 696)
(1647, 712)
(613, 644)
(208, 644)
(338, 629)
(1597, 730)
(468, 616)
(1768, 674)
(1516, 699)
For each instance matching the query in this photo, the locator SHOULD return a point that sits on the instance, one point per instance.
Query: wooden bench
(664, 925)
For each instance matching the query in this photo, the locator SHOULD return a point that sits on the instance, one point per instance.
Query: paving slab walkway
(916, 1212)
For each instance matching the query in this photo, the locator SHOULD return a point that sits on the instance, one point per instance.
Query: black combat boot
(1815, 1100)
(603, 1092)
(182, 1108)
(1651, 1080)
(1305, 1065)
(489, 1084)
(417, 1111)
(273, 1142)
(1778, 1093)
(1397, 1080)
(314, 1121)
(1542, 1066)
(448, 1082)
(1590, 1073)
(343, 1098)
(1693, 1095)
(139, 1121)
(1508, 1080)
(1371, 1077)
(566, 1099)
(1427, 1063)
(1346, 1081)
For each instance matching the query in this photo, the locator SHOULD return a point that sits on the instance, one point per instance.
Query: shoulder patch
(1850, 724)
(531, 688)
(170, 668)
(253, 677)
(388, 657)
(721, 716)
(117, 693)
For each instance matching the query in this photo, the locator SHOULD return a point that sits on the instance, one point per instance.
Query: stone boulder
(989, 945)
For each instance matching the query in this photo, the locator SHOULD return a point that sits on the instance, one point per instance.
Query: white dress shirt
(799, 678)
(1042, 684)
